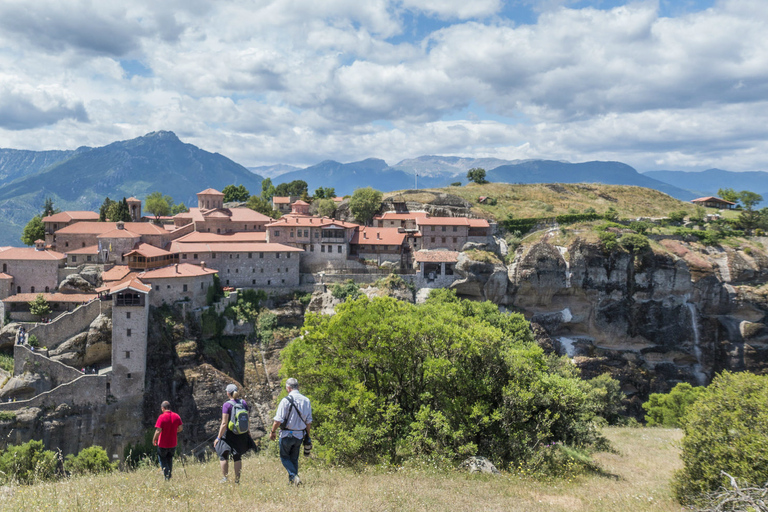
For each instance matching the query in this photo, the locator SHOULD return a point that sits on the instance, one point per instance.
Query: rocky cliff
(677, 311)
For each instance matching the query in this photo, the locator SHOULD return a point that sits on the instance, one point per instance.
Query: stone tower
(134, 208)
(130, 321)
(210, 199)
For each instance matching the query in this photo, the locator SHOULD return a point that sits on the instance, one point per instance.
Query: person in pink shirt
(167, 427)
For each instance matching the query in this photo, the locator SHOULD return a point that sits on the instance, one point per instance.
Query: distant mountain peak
(161, 135)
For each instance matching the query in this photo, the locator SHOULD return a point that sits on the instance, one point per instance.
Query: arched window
(33, 289)
(18, 289)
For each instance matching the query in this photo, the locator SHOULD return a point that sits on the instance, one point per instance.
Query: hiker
(233, 438)
(168, 425)
(294, 417)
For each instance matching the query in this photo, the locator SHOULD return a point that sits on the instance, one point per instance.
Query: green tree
(48, 208)
(448, 378)
(40, 306)
(728, 194)
(668, 409)
(293, 188)
(477, 175)
(104, 209)
(267, 189)
(158, 205)
(365, 203)
(456, 184)
(325, 207)
(698, 215)
(725, 429)
(259, 204)
(34, 230)
(119, 211)
(749, 199)
(749, 218)
(179, 208)
(236, 193)
(325, 193)
(678, 216)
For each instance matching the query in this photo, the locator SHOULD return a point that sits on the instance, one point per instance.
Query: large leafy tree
(119, 211)
(34, 230)
(267, 189)
(179, 208)
(477, 175)
(452, 378)
(235, 193)
(104, 209)
(40, 306)
(728, 194)
(158, 205)
(260, 205)
(325, 193)
(325, 207)
(293, 188)
(48, 208)
(364, 204)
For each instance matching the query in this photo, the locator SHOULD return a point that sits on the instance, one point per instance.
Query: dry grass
(543, 200)
(636, 479)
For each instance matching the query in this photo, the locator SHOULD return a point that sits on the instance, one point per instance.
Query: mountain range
(80, 179)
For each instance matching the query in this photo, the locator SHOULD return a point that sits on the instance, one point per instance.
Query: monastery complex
(89, 271)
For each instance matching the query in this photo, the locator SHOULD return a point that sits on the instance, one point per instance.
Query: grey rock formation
(8, 335)
(75, 283)
(92, 274)
(25, 386)
(98, 347)
(479, 465)
(480, 280)
(72, 351)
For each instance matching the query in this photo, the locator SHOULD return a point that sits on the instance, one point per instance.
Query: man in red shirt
(167, 426)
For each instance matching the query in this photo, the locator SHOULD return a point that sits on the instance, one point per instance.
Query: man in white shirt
(295, 414)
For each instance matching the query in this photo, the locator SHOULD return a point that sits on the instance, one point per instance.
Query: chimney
(365, 235)
(177, 268)
(378, 235)
(120, 225)
(202, 265)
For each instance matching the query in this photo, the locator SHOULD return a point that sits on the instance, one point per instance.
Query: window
(269, 281)
(128, 332)
(253, 282)
(262, 271)
(443, 228)
(230, 256)
(157, 287)
(339, 247)
(237, 271)
(47, 289)
(185, 288)
(277, 233)
(213, 255)
(227, 282)
(237, 257)
(261, 255)
(432, 239)
(127, 354)
(184, 256)
(322, 248)
(227, 271)
(311, 248)
(250, 255)
(282, 281)
(5, 267)
(455, 228)
(443, 240)
(306, 233)
(66, 244)
(201, 286)
(455, 240)
(83, 244)
(291, 233)
(432, 228)
(33, 289)
(18, 289)
(168, 287)
(278, 270)
(277, 255)
(288, 255)
(87, 258)
(128, 315)
(74, 258)
(127, 375)
(194, 256)
(317, 234)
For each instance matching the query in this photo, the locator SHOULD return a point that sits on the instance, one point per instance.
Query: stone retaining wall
(88, 390)
(68, 324)
(24, 359)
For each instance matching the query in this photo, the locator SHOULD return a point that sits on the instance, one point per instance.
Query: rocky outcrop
(75, 283)
(90, 348)
(24, 386)
(8, 335)
(481, 280)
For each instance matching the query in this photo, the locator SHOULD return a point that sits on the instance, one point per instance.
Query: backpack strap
(293, 406)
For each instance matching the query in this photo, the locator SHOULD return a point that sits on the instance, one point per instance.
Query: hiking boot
(223, 480)
(237, 479)
(296, 480)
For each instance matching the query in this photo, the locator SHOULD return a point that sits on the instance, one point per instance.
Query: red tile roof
(51, 297)
(478, 223)
(149, 251)
(29, 253)
(70, 216)
(378, 236)
(301, 203)
(119, 233)
(5, 276)
(98, 228)
(91, 249)
(443, 221)
(436, 256)
(241, 236)
(210, 192)
(173, 271)
(133, 284)
(292, 220)
(710, 198)
(401, 216)
(116, 273)
(179, 247)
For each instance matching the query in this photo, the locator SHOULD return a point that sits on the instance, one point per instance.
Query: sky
(660, 84)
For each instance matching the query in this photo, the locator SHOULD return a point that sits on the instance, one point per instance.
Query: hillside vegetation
(635, 478)
(548, 200)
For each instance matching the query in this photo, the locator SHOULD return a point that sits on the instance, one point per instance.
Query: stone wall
(88, 390)
(263, 269)
(129, 349)
(33, 276)
(174, 289)
(67, 325)
(435, 238)
(25, 360)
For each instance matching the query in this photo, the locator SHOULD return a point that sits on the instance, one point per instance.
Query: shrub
(33, 341)
(678, 216)
(266, 324)
(28, 463)
(6, 362)
(608, 240)
(607, 398)
(304, 298)
(483, 256)
(633, 242)
(7, 416)
(456, 184)
(392, 380)
(91, 460)
(668, 409)
(348, 290)
(394, 282)
(142, 452)
(726, 429)
(556, 460)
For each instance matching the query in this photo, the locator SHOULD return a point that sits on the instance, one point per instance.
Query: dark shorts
(234, 445)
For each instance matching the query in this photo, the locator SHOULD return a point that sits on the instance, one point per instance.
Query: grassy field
(636, 478)
(544, 200)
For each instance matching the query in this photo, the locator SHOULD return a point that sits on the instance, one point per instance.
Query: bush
(348, 290)
(304, 298)
(633, 242)
(482, 256)
(556, 460)
(726, 429)
(28, 463)
(678, 216)
(608, 240)
(142, 452)
(456, 184)
(452, 378)
(33, 341)
(7, 416)
(91, 460)
(6, 362)
(668, 410)
(607, 398)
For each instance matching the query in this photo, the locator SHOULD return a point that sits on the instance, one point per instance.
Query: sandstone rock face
(24, 386)
(72, 351)
(650, 319)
